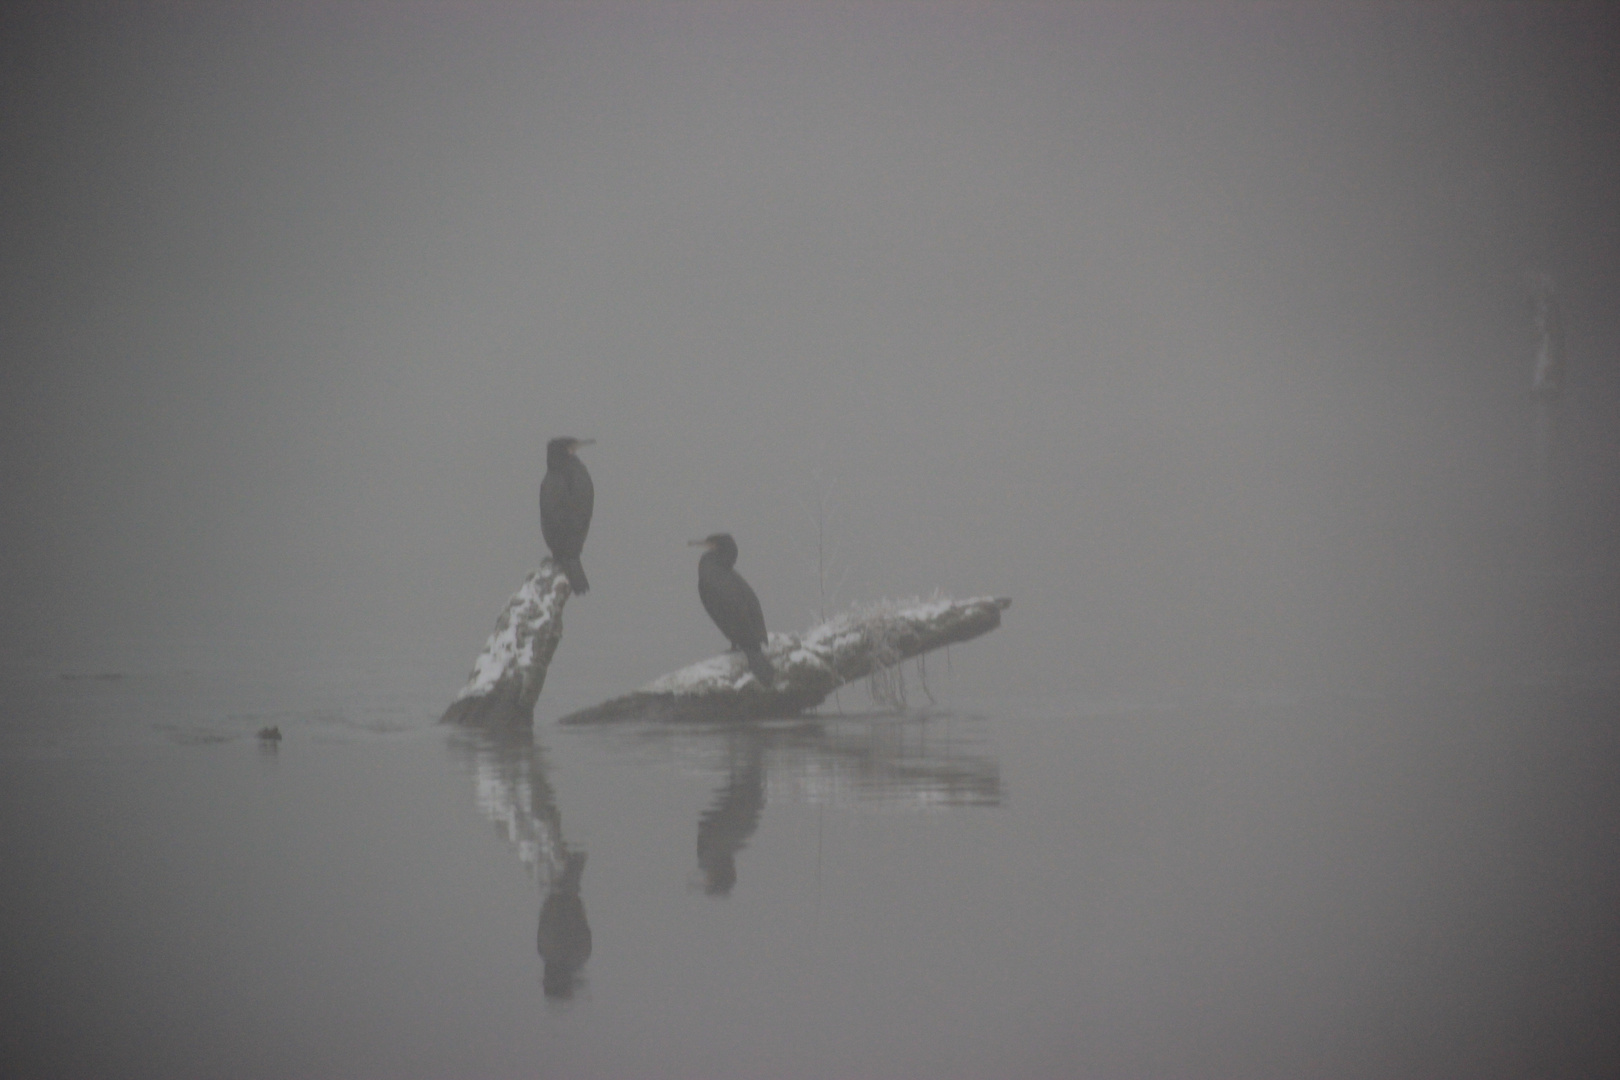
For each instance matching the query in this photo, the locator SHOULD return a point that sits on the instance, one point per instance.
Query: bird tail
(760, 666)
(576, 575)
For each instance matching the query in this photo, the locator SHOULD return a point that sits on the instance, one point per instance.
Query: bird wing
(709, 593)
(551, 514)
(754, 615)
(584, 495)
(567, 498)
(732, 605)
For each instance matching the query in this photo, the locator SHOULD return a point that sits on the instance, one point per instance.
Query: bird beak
(579, 443)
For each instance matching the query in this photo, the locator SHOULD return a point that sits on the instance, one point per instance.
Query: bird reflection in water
(724, 828)
(514, 792)
(923, 760)
(564, 938)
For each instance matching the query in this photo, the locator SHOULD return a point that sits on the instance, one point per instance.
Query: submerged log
(507, 676)
(866, 640)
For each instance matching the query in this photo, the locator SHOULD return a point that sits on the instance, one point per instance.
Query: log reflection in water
(921, 761)
(514, 792)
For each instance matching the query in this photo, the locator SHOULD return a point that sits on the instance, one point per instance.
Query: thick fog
(1200, 331)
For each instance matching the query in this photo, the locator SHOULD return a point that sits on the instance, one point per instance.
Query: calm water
(1418, 884)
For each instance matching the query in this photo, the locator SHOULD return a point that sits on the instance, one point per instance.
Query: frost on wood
(507, 676)
(869, 640)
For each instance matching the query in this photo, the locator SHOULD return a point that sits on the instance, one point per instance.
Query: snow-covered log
(507, 676)
(867, 639)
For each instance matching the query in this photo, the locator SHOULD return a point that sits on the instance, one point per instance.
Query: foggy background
(1201, 331)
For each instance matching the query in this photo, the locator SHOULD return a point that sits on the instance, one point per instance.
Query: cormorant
(566, 500)
(731, 603)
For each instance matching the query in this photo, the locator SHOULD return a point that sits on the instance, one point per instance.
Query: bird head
(560, 449)
(711, 542)
(719, 542)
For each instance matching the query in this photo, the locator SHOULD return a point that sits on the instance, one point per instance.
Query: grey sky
(1185, 326)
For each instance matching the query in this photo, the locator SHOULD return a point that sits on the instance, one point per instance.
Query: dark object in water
(271, 734)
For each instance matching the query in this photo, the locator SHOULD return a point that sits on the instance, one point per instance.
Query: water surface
(1420, 883)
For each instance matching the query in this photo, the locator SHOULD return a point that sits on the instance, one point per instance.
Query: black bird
(732, 604)
(566, 500)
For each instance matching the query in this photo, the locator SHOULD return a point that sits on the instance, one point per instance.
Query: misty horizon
(1183, 328)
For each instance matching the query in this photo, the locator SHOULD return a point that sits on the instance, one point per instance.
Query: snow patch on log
(866, 639)
(507, 676)
(728, 672)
